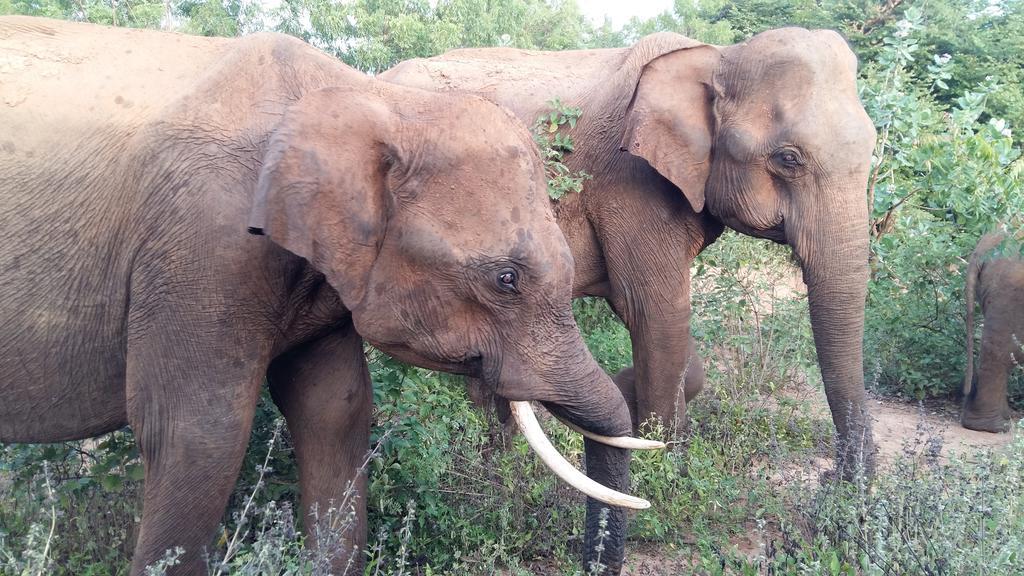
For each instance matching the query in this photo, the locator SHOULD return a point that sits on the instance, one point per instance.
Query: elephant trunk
(589, 399)
(834, 260)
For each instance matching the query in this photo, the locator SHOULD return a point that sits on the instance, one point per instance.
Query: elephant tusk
(527, 421)
(627, 442)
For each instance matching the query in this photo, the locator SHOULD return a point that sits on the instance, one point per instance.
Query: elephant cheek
(513, 380)
(745, 199)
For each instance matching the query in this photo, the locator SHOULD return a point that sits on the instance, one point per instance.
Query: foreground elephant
(995, 272)
(767, 136)
(131, 163)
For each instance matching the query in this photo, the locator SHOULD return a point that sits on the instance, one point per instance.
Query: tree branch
(884, 14)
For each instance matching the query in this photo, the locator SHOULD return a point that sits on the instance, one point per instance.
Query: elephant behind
(131, 164)
(995, 278)
(767, 136)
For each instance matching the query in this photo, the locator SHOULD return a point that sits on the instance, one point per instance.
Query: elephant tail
(973, 271)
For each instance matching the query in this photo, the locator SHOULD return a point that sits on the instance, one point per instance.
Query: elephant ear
(322, 188)
(670, 120)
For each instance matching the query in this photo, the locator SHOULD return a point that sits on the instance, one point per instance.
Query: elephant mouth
(470, 365)
(525, 418)
(775, 232)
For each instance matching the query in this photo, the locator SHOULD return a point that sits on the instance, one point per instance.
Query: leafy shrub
(86, 496)
(483, 499)
(555, 143)
(922, 517)
(942, 178)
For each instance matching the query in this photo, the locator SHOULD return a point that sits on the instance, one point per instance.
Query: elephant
(995, 274)
(767, 136)
(132, 165)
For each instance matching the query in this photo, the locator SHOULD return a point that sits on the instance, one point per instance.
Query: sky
(620, 11)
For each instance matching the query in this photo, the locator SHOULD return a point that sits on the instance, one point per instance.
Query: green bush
(924, 516)
(482, 498)
(942, 178)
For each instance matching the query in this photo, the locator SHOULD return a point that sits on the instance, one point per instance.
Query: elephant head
(769, 136)
(441, 243)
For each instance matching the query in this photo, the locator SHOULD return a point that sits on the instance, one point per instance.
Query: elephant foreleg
(648, 242)
(693, 382)
(655, 306)
(986, 407)
(192, 422)
(668, 373)
(324, 391)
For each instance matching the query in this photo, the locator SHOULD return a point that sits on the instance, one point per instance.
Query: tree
(219, 17)
(131, 13)
(374, 35)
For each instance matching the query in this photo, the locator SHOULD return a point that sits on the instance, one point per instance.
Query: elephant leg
(695, 377)
(626, 381)
(654, 303)
(324, 391)
(986, 407)
(648, 242)
(191, 417)
(693, 382)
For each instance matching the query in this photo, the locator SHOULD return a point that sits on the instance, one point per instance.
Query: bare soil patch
(898, 423)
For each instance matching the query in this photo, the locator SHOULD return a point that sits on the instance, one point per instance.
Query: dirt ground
(897, 422)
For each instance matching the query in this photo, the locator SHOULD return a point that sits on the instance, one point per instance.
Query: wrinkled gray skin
(766, 136)
(131, 164)
(995, 276)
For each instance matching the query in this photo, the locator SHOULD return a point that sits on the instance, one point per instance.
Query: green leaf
(111, 482)
(135, 472)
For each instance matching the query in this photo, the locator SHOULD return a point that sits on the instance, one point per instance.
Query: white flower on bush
(1000, 125)
(903, 28)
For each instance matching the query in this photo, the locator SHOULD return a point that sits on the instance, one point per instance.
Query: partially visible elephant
(131, 164)
(995, 276)
(767, 136)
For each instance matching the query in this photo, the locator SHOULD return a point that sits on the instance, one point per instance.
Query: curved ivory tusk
(627, 442)
(527, 421)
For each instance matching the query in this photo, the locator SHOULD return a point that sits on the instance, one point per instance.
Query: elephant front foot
(994, 418)
(984, 423)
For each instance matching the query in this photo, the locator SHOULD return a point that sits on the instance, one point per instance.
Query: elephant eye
(507, 280)
(789, 158)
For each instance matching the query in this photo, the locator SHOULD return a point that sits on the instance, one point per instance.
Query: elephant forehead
(446, 241)
(792, 65)
(494, 191)
(813, 48)
(500, 165)
(817, 119)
